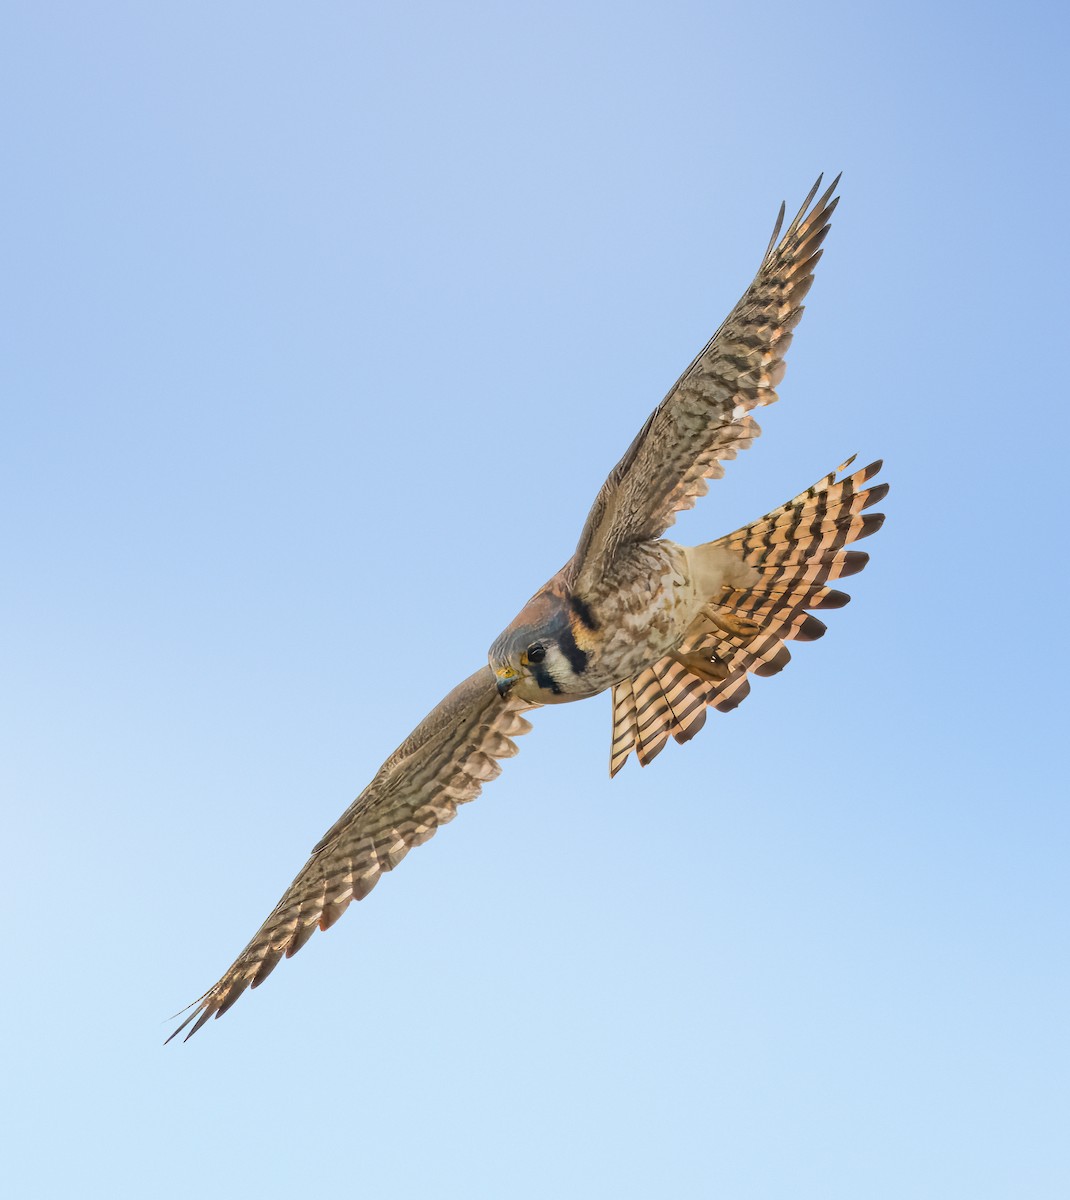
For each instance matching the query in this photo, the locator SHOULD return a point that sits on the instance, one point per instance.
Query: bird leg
(703, 664)
(729, 622)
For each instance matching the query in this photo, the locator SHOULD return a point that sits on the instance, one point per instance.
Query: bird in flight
(673, 630)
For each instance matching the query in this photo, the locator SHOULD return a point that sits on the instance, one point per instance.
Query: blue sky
(322, 326)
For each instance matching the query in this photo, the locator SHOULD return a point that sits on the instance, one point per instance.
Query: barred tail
(797, 550)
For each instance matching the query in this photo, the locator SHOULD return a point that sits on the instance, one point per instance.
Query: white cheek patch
(557, 665)
(546, 674)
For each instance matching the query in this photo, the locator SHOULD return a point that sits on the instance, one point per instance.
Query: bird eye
(536, 652)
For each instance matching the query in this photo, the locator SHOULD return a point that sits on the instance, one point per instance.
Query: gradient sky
(322, 326)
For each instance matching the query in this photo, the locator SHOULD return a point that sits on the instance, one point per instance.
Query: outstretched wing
(445, 762)
(706, 418)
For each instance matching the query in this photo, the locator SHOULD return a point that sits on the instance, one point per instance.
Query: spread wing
(706, 418)
(445, 762)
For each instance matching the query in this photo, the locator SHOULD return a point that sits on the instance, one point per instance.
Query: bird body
(672, 630)
(624, 621)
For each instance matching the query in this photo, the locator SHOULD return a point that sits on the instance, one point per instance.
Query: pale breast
(643, 611)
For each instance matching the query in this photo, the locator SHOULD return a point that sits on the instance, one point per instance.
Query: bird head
(538, 656)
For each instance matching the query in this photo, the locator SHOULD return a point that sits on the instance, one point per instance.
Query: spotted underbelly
(642, 614)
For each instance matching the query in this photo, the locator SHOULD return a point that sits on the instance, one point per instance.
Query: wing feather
(445, 762)
(705, 418)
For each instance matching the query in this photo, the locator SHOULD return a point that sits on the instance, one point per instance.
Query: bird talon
(704, 665)
(736, 625)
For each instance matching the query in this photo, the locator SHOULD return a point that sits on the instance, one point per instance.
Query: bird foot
(736, 625)
(700, 663)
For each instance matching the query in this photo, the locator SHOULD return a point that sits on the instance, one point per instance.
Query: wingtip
(826, 200)
(812, 192)
(810, 211)
(202, 1010)
(182, 1012)
(778, 225)
(175, 1032)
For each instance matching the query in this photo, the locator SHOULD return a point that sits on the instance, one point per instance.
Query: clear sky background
(322, 326)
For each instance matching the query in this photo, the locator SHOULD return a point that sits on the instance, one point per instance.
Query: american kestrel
(673, 630)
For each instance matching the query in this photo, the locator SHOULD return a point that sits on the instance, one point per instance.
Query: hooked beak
(506, 678)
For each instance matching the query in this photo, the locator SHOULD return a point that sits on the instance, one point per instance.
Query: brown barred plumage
(674, 630)
(797, 550)
(443, 763)
(705, 418)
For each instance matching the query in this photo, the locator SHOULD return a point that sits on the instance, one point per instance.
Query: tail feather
(653, 717)
(796, 550)
(624, 725)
